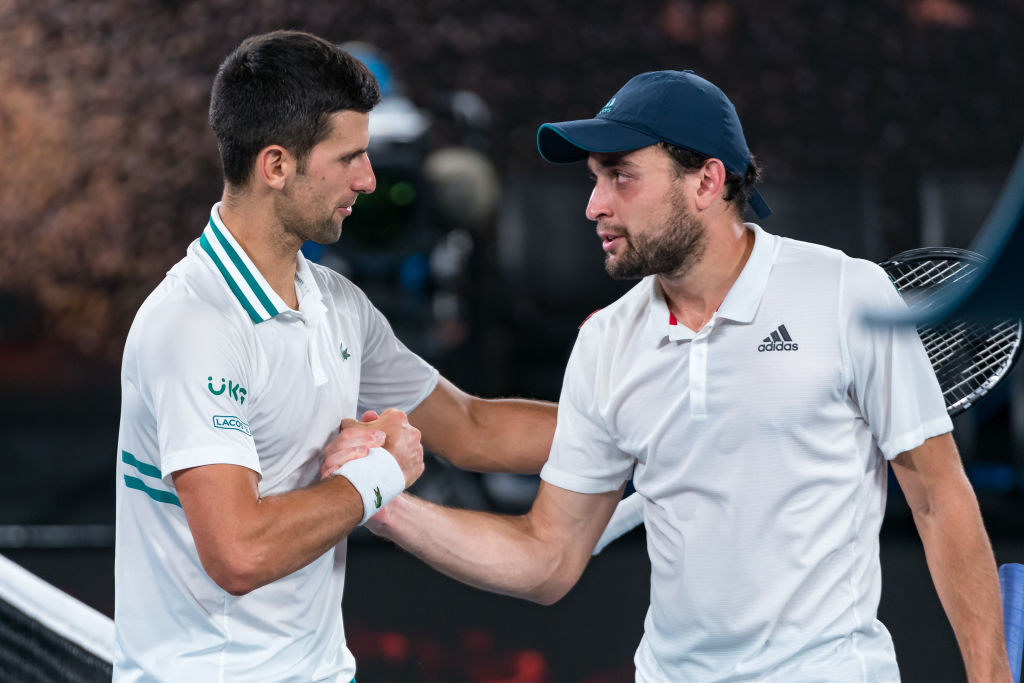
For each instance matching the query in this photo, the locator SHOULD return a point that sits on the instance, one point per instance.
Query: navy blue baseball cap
(677, 107)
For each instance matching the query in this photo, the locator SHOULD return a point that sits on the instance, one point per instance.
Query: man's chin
(328, 235)
(618, 270)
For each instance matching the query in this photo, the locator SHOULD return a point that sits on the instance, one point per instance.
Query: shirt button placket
(699, 375)
(313, 353)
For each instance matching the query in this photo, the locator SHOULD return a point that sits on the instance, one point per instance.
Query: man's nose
(597, 207)
(365, 181)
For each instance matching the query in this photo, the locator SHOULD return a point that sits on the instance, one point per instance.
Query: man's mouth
(610, 240)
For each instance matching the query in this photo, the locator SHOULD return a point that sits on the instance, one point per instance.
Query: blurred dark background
(881, 125)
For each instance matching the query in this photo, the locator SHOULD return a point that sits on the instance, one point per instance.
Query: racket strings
(924, 285)
(969, 368)
(943, 342)
(910, 276)
(969, 357)
(972, 364)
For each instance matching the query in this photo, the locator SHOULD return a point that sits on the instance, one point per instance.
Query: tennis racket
(971, 357)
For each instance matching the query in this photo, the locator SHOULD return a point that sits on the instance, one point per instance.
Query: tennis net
(47, 636)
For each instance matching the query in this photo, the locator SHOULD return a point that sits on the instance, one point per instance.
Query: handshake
(381, 456)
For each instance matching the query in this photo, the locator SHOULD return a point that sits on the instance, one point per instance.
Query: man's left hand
(353, 442)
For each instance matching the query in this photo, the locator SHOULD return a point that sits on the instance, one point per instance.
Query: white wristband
(377, 477)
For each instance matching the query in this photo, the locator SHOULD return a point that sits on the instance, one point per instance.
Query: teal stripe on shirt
(148, 470)
(143, 467)
(233, 255)
(155, 494)
(253, 315)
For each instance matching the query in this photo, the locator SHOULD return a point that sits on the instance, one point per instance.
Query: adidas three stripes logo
(778, 340)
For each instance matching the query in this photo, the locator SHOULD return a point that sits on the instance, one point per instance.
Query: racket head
(970, 356)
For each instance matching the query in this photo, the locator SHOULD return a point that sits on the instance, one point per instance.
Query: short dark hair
(280, 88)
(737, 187)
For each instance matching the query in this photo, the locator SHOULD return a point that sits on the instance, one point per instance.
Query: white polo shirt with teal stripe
(218, 369)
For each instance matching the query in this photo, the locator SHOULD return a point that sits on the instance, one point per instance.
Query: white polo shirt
(218, 369)
(759, 444)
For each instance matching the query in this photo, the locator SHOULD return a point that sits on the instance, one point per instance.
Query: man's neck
(258, 232)
(694, 297)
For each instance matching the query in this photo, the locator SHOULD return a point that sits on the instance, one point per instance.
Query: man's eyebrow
(352, 155)
(617, 161)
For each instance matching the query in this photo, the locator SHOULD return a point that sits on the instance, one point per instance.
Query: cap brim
(562, 143)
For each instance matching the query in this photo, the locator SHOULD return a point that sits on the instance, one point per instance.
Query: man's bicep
(927, 470)
(485, 435)
(443, 417)
(216, 500)
(570, 519)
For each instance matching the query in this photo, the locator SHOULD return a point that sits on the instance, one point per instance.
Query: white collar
(741, 301)
(245, 281)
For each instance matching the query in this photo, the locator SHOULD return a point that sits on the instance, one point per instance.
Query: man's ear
(712, 183)
(274, 166)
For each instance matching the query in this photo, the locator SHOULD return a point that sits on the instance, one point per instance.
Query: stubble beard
(673, 250)
(320, 229)
(323, 231)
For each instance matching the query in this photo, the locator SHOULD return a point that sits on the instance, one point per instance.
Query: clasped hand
(389, 430)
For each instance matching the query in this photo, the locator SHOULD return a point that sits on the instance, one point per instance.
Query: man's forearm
(497, 553)
(963, 569)
(537, 556)
(514, 435)
(245, 541)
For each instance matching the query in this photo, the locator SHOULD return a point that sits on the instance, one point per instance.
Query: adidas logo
(778, 340)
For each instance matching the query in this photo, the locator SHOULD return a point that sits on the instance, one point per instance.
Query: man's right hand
(402, 442)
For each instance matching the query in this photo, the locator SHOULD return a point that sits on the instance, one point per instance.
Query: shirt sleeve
(197, 377)
(391, 376)
(584, 457)
(891, 378)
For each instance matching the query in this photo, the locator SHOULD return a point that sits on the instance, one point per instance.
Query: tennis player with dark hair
(757, 414)
(230, 553)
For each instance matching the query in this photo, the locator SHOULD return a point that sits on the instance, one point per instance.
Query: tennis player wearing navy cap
(756, 414)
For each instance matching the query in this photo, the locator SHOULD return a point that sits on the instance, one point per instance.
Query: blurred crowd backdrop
(111, 166)
(882, 125)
